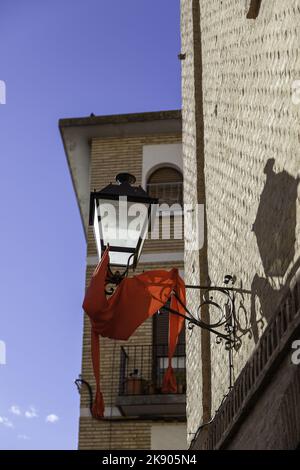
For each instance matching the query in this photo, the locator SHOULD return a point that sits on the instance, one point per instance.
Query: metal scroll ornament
(221, 302)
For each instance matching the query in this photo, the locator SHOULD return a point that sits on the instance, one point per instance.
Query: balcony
(142, 368)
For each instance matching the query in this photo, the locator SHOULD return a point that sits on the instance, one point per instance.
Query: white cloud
(52, 418)
(15, 410)
(24, 437)
(31, 413)
(6, 422)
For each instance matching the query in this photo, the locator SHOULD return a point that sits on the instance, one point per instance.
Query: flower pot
(134, 386)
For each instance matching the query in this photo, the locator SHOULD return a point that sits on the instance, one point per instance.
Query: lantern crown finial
(120, 214)
(125, 178)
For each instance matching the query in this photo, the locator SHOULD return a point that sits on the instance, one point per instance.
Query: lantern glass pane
(120, 259)
(122, 224)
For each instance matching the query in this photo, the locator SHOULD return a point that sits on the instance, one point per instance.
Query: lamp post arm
(224, 328)
(192, 321)
(223, 289)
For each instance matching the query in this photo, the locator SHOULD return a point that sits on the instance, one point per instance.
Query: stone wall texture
(243, 128)
(278, 406)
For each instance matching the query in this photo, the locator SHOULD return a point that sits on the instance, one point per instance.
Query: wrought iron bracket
(225, 328)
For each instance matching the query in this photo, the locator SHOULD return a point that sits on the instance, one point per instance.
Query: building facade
(241, 134)
(234, 151)
(137, 414)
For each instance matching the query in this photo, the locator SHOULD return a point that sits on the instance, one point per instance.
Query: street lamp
(120, 215)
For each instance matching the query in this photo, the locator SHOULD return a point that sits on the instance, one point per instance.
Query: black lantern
(120, 214)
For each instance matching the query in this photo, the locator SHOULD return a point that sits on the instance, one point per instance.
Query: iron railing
(169, 193)
(272, 345)
(142, 368)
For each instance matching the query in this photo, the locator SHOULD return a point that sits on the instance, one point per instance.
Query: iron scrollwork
(226, 312)
(220, 300)
(226, 325)
(113, 279)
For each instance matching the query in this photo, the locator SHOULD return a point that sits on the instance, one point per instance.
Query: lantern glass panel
(123, 225)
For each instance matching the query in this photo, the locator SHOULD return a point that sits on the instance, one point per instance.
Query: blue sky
(61, 59)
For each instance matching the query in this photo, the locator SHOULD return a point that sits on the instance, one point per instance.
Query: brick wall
(250, 154)
(114, 435)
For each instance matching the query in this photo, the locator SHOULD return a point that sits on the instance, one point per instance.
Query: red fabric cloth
(134, 300)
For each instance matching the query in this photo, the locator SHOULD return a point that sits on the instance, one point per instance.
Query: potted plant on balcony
(134, 383)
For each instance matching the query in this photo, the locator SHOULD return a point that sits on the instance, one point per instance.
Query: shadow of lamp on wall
(275, 223)
(275, 231)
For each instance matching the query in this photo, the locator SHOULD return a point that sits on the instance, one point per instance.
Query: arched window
(166, 184)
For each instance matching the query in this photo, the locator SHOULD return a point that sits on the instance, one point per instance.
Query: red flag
(118, 317)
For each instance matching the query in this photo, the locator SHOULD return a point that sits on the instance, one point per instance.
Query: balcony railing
(274, 347)
(169, 193)
(142, 368)
(140, 382)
